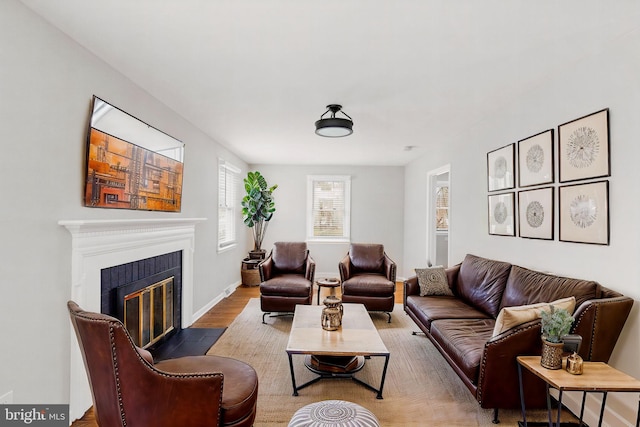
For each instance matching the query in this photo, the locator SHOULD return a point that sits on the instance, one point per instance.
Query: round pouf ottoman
(330, 413)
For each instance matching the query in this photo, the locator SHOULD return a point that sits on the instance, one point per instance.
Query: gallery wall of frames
(580, 153)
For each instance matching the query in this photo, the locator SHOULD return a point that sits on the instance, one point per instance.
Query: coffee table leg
(384, 374)
(293, 375)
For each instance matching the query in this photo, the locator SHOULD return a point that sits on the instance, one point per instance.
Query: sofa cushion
(367, 257)
(526, 287)
(428, 309)
(510, 317)
(463, 341)
(481, 283)
(433, 281)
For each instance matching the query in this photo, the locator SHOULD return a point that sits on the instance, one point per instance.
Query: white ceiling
(256, 74)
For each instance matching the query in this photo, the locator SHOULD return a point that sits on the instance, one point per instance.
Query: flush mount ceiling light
(334, 127)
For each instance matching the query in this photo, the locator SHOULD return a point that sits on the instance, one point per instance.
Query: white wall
(46, 85)
(606, 76)
(377, 198)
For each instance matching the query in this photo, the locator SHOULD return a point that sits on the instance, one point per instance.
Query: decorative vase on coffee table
(332, 313)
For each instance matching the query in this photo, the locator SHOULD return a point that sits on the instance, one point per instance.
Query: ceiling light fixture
(334, 127)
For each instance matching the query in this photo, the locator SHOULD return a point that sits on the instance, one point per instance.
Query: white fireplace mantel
(99, 244)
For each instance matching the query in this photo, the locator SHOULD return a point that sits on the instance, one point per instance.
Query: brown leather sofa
(368, 277)
(128, 389)
(286, 277)
(461, 326)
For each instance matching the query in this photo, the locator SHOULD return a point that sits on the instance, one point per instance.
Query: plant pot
(551, 354)
(257, 254)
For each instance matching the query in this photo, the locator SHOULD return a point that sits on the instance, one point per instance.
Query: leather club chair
(368, 277)
(129, 389)
(286, 278)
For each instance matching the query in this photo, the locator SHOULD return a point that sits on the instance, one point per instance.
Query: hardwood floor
(221, 316)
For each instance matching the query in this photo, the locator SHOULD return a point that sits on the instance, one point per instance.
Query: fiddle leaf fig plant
(556, 323)
(258, 206)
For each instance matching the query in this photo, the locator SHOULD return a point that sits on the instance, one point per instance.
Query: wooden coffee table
(357, 336)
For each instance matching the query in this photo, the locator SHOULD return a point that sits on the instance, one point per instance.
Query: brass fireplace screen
(148, 313)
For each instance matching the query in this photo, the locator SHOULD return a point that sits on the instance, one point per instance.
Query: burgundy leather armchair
(368, 277)
(129, 389)
(286, 278)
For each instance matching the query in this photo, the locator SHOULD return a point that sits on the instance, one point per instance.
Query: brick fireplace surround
(98, 244)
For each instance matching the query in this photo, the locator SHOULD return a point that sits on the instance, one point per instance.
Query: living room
(48, 80)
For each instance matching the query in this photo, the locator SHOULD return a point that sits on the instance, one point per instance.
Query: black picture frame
(584, 147)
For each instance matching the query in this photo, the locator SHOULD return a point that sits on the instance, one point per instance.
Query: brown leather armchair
(129, 389)
(368, 277)
(287, 278)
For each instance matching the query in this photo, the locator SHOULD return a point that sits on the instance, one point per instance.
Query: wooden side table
(597, 377)
(327, 283)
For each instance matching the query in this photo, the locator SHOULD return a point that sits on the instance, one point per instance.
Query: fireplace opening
(148, 313)
(146, 295)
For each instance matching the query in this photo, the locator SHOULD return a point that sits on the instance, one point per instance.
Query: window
(328, 207)
(228, 178)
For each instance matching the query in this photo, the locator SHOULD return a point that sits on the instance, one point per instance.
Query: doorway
(438, 215)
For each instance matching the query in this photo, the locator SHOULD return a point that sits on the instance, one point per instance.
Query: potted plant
(556, 323)
(258, 207)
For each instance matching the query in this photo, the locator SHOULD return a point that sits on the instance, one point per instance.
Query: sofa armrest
(389, 268)
(599, 322)
(344, 267)
(498, 379)
(452, 276)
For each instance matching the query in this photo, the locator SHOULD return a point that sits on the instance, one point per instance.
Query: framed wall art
(502, 214)
(584, 213)
(130, 164)
(500, 168)
(535, 213)
(535, 159)
(583, 147)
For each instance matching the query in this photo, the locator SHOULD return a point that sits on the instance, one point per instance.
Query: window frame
(233, 171)
(346, 232)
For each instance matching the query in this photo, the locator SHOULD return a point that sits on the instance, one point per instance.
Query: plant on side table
(258, 207)
(556, 323)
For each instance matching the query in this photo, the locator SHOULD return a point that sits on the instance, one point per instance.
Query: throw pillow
(433, 281)
(510, 317)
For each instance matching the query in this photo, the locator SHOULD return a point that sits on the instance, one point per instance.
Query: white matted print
(535, 213)
(583, 147)
(535, 159)
(500, 168)
(502, 214)
(584, 213)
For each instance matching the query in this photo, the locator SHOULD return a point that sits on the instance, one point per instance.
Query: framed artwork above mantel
(129, 164)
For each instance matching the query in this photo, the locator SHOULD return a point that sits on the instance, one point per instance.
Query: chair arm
(266, 268)
(389, 268)
(198, 396)
(344, 267)
(498, 378)
(310, 269)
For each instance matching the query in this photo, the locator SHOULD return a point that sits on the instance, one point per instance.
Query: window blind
(228, 178)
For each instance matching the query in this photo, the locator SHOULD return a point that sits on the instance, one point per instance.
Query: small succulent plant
(556, 323)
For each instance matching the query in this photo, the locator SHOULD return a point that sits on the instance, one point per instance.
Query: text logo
(34, 415)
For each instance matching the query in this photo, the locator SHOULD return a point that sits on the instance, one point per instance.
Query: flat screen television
(130, 164)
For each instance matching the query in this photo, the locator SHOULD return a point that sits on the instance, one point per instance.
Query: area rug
(421, 389)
